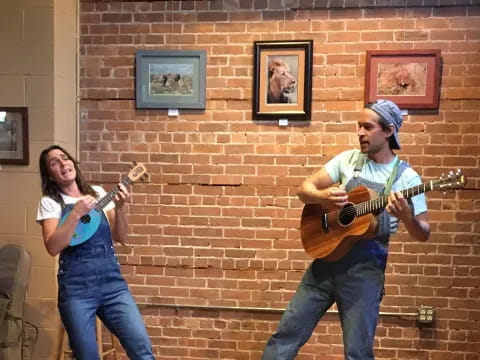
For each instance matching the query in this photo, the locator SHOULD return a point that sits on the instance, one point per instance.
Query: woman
(89, 279)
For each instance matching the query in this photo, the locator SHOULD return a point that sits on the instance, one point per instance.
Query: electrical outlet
(426, 314)
(146, 178)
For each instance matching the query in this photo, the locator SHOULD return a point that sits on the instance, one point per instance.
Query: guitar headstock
(452, 181)
(137, 171)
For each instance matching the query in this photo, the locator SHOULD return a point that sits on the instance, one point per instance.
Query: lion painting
(402, 79)
(281, 83)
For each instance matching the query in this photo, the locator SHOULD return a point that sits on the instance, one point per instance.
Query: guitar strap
(361, 159)
(391, 179)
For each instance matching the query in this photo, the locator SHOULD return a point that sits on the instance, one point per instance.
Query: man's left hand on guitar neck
(398, 206)
(417, 226)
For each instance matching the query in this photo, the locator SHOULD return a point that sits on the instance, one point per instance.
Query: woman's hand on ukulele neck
(121, 197)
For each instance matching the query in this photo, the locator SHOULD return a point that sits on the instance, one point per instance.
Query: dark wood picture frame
(409, 78)
(14, 149)
(170, 79)
(282, 84)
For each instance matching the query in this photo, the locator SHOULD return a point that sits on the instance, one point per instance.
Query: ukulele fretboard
(110, 195)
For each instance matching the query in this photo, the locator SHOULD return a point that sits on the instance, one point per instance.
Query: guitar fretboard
(111, 195)
(380, 202)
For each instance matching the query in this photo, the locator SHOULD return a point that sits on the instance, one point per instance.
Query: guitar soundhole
(85, 219)
(347, 215)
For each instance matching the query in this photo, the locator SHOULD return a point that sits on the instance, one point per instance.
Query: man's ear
(392, 131)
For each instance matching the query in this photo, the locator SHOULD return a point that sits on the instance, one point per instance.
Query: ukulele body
(86, 227)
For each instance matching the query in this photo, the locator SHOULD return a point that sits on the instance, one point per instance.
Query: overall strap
(361, 159)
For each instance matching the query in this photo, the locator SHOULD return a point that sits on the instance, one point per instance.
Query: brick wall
(218, 223)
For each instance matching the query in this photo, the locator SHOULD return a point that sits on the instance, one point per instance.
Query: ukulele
(330, 234)
(89, 223)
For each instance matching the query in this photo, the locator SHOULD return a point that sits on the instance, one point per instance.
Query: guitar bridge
(325, 222)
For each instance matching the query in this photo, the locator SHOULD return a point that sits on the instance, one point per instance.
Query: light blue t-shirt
(342, 166)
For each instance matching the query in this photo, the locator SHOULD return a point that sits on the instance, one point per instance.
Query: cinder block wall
(218, 223)
(37, 70)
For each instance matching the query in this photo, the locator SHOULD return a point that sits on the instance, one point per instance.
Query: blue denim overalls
(355, 283)
(89, 284)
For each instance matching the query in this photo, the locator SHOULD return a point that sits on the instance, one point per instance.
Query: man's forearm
(418, 229)
(309, 194)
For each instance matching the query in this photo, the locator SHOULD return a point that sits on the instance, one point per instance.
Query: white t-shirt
(341, 170)
(49, 208)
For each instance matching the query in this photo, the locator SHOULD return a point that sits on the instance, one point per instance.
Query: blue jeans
(355, 283)
(90, 284)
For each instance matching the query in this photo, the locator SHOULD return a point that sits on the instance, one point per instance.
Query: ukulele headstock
(451, 181)
(137, 171)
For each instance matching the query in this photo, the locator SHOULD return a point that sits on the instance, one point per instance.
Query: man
(355, 281)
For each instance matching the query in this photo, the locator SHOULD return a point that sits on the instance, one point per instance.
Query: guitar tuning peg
(135, 163)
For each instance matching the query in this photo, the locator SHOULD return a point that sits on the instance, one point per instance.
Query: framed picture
(170, 79)
(283, 80)
(14, 135)
(409, 78)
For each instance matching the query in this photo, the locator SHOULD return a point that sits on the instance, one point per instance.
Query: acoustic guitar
(89, 223)
(330, 234)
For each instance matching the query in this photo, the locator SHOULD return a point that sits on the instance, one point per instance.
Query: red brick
(343, 36)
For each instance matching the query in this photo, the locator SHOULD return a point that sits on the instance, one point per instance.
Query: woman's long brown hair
(49, 187)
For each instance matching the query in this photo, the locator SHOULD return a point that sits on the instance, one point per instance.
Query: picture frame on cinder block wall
(170, 79)
(409, 78)
(282, 80)
(14, 136)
